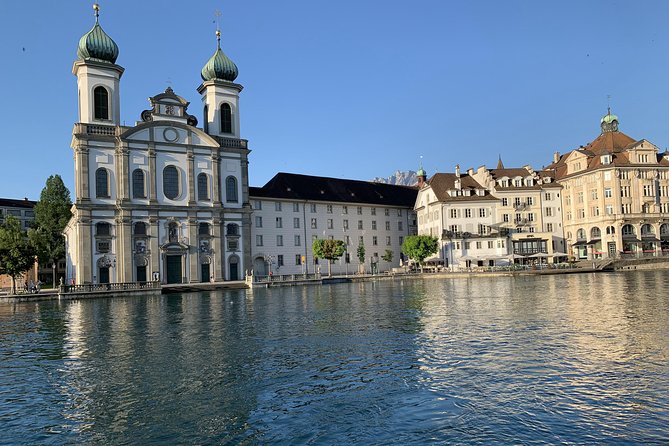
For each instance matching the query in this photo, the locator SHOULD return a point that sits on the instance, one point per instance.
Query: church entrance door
(204, 270)
(173, 267)
(104, 275)
(234, 270)
(141, 274)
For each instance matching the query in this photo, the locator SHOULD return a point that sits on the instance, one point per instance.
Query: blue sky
(352, 89)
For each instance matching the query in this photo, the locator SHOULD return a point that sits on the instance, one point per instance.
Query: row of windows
(627, 230)
(313, 208)
(103, 229)
(489, 244)
(297, 240)
(330, 223)
(171, 185)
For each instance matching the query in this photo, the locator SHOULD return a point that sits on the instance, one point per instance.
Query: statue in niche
(173, 233)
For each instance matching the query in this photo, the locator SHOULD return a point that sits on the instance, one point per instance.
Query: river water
(575, 359)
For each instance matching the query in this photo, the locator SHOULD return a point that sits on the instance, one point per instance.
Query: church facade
(163, 199)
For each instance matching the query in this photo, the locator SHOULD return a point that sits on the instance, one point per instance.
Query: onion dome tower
(220, 95)
(98, 76)
(421, 175)
(219, 67)
(609, 123)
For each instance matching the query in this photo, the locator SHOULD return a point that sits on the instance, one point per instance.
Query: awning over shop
(580, 243)
(594, 240)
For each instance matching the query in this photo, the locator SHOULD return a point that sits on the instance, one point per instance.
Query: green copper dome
(96, 44)
(420, 173)
(219, 66)
(609, 118)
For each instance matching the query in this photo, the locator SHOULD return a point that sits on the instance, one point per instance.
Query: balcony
(82, 129)
(232, 143)
(520, 206)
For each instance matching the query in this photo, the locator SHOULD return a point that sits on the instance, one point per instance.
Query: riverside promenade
(70, 292)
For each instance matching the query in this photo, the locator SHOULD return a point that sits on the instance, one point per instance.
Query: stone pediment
(169, 132)
(174, 247)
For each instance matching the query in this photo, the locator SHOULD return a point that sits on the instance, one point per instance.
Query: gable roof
(441, 183)
(292, 186)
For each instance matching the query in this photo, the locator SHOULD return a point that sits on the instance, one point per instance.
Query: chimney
(470, 171)
(556, 157)
(457, 171)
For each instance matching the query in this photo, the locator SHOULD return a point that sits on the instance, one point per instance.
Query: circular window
(170, 134)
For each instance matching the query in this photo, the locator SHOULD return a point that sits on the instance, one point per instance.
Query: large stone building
(163, 198)
(615, 195)
(484, 215)
(292, 210)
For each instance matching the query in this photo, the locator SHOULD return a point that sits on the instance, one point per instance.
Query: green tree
(361, 255)
(17, 255)
(420, 247)
(388, 256)
(52, 212)
(328, 249)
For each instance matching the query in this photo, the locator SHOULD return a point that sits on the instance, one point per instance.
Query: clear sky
(349, 88)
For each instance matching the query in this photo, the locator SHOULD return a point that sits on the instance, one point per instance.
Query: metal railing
(103, 287)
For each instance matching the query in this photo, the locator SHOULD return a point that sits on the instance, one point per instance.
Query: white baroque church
(163, 199)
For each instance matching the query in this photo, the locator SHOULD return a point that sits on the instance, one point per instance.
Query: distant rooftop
(12, 203)
(291, 186)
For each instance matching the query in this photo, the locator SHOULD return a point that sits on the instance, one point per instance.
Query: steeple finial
(96, 8)
(217, 14)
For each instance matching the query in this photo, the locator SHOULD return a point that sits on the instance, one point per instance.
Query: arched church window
(231, 189)
(232, 229)
(206, 119)
(103, 229)
(171, 182)
(202, 187)
(101, 183)
(203, 229)
(101, 103)
(138, 184)
(226, 118)
(140, 228)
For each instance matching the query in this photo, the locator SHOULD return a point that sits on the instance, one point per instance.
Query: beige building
(615, 196)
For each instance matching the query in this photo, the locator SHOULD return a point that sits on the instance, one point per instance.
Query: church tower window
(101, 103)
(202, 187)
(226, 118)
(138, 184)
(231, 189)
(206, 119)
(101, 183)
(171, 182)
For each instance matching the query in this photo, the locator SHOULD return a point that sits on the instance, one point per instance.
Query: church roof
(291, 186)
(96, 44)
(12, 203)
(219, 66)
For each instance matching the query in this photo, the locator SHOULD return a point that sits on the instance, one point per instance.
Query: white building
(292, 210)
(483, 216)
(163, 198)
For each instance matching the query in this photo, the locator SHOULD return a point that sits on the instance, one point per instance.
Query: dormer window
(529, 182)
(226, 118)
(101, 103)
(606, 159)
(518, 182)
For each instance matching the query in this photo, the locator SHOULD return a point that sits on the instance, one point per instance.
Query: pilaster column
(194, 258)
(216, 177)
(84, 265)
(81, 170)
(154, 246)
(152, 182)
(218, 245)
(123, 246)
(121, 159)
(191, 177)
(245, 178)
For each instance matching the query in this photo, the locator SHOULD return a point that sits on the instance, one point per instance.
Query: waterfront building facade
(291, 211)
(162, 199)
(615, 195)
(484, 215)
